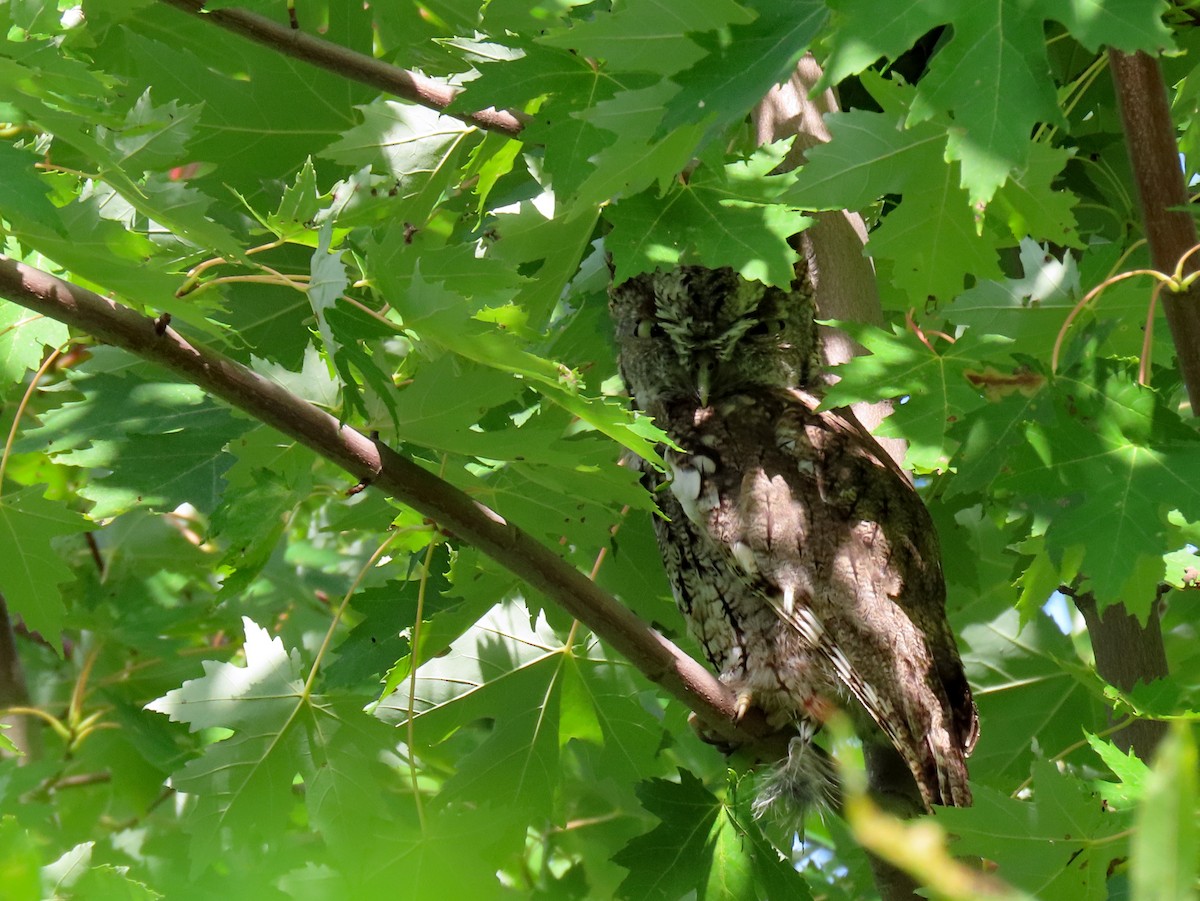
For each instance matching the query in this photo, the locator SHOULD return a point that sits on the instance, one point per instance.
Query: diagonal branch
(349, 64)
(369, 461)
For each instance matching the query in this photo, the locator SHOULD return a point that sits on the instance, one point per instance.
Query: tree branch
(1170, 229)
(349, 64)
(13, 690)
(660, 660)
(1126, 651)
(843, 276)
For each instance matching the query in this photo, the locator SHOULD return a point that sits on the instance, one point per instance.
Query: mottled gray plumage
(802, 558)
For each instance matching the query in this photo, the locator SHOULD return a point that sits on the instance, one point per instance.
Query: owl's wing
(923, 598)
(840, 545)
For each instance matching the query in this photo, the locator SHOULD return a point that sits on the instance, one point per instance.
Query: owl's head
(695, 335)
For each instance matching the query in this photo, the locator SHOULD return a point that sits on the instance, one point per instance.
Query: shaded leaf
(31, 567)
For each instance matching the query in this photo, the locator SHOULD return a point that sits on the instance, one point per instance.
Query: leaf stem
(415, 661)
(33, 383)
(341, 609)
(1072, 748)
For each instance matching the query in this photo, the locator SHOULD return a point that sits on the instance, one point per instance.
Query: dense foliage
(222, 641)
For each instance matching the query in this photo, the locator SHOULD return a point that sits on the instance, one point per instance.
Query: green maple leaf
(24, 336)
(1130, 769)
(987, 437)
(554, 243)
(250, 524)
(31, 569)
(448, 298)
(406, 157)
(560, 85)
(744, 62)
(1106, 464)
(700, 846)
(381, 639)
(933, 241)
(158, 471)
(1028, 310)
(445, 402)
(261, 694)
(933, 378)
(403, 140)
(1031, 205)
(539, 72)
(1004, 46)
(244, 783)
(104, 252)
(518, 765)
(1061, 844)
(637, 156)
(108, 881)
(503, 669)
(868, 155)
(152, 137)
(238, 126)
(169, 202)
(933, 237)
(649, 37)
(1027, 682)
(579, 498)
(722, 216)
(298, 207)
(23, 193)
(348, 774)
(327, 284)
(522, 16)
(998, 44)
(674, 857)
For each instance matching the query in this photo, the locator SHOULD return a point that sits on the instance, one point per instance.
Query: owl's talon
(745, 700)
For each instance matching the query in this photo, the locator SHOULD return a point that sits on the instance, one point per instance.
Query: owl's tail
(802, 781)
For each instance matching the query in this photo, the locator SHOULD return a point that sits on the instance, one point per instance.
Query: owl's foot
(710, 738)
(744, 700)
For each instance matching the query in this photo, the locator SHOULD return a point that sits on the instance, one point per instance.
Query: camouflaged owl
(802, 558)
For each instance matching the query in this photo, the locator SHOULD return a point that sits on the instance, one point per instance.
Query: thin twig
(349, 64)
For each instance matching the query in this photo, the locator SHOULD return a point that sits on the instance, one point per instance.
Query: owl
(804, 562)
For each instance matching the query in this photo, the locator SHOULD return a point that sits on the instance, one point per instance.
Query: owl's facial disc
(694, 336)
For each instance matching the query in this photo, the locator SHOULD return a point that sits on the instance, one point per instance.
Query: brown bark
(1127, 653)
(13, 690)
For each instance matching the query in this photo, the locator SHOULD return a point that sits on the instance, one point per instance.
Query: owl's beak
(704, 371)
